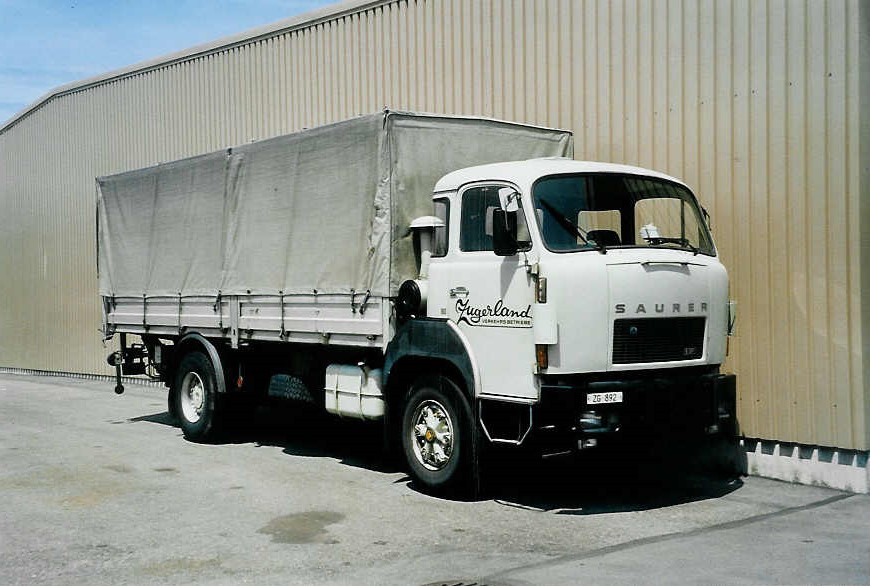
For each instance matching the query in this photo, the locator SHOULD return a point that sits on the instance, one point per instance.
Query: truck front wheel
(436, 435)
(196, 398)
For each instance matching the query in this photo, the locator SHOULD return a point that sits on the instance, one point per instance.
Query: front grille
(658, 339)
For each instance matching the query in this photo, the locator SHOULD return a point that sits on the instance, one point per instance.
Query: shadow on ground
(619, 479)
(161, 418)
(629, 477)
(301, 432)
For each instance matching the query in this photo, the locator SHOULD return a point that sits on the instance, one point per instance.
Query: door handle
(458, 292)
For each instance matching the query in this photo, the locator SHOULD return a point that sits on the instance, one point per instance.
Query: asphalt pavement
(103, 489)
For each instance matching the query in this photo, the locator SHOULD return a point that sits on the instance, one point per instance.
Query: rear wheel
(436, 435)
(195, 398)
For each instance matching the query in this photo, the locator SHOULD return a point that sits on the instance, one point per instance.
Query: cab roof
(524, 173)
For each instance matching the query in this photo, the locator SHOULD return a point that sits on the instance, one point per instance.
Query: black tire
(172, 404)
(195, 399)
(436, 436)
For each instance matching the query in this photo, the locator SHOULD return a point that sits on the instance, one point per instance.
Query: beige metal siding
(859, 183)
(757, 105)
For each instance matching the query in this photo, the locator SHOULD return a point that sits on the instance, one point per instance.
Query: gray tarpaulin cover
(325, 209)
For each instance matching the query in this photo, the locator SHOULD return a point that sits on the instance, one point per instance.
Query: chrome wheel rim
(432, 435)
(192, 397)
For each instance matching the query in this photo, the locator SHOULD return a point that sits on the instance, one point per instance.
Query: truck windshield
(606, 210)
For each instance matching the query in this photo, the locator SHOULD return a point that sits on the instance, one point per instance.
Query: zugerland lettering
(498, 315)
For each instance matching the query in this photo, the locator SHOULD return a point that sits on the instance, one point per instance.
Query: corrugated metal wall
(755, 104)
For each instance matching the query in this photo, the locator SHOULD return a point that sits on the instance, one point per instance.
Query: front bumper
(685, 404)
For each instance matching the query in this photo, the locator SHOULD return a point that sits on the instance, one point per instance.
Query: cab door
(488, 297)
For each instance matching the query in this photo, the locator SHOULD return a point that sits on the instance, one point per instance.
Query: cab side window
(475, 231)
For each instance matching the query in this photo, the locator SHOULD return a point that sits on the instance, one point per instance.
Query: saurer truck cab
(544, 302)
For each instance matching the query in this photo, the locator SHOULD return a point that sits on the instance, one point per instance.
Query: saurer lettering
(644, 308)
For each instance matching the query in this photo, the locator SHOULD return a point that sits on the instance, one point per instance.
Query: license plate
(602, 398)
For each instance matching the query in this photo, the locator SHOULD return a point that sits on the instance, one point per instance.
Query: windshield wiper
(683, 242)
(570, 226)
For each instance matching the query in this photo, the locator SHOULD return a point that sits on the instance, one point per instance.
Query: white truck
(462, 280)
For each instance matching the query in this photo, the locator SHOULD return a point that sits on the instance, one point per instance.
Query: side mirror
(504, 232)
(424, 229)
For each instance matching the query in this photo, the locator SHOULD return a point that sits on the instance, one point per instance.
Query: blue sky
(48, 43)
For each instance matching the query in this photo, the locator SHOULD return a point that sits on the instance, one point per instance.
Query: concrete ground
(101, 489)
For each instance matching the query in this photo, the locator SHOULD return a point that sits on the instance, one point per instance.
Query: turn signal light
(542, 356)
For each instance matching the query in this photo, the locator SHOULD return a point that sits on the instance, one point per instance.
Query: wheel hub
(192, 397)
(432, 435)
